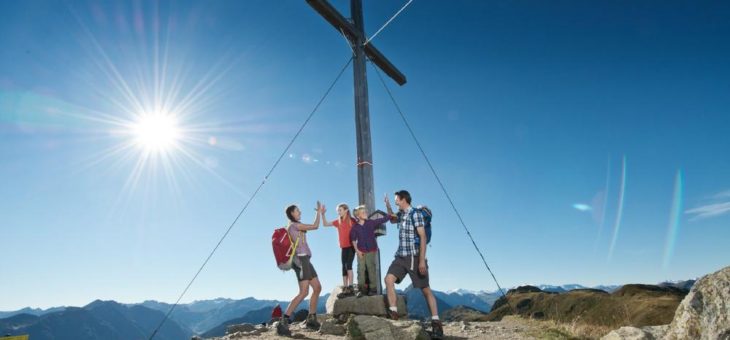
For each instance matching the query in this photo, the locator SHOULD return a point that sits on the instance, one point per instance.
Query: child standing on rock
(344, 225)
(366, 246)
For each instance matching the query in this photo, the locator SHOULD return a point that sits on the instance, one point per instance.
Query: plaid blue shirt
(407, 232)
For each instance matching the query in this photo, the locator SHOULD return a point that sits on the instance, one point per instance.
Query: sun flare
(156, 132)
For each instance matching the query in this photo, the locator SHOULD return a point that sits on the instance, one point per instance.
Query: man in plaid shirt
(410, 259)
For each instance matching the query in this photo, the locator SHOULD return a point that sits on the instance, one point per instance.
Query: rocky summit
(703, 314)
(660, 311)
(367, 305)
(373, 327)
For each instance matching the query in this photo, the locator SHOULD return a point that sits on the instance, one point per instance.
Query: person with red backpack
(303, 268)
(414, 233)
(343, 224)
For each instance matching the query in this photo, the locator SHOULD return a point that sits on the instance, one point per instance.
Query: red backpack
(284, 248)
(276, 313)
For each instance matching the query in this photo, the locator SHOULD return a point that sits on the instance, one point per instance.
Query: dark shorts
(408, 265)
(348, 256)
(304, 268)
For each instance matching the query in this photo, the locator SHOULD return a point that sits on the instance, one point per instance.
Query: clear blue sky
(529, 110)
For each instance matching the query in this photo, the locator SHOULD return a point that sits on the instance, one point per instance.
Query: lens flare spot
(674, 219)
(582, 207)
(620, 213)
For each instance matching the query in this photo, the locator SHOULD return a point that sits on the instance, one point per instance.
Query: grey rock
(705, 311)
(331, 327)
(372, 328)
(330, 305)
(367, 305)
(630, 333)
(245, 327)
(658, 332)
(703, 314)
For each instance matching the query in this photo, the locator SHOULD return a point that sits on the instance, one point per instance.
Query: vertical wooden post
(355, 33)
(365, 181)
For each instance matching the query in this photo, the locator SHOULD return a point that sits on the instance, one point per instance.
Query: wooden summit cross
(362, 48)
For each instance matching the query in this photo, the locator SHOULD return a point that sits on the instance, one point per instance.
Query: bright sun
(156, 132)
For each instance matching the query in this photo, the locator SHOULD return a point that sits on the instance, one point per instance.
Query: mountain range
(31, 311)
(107, 320)
(112, 320)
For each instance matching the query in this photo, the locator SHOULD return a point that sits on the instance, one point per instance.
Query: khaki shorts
(303, 268)
(408, 265)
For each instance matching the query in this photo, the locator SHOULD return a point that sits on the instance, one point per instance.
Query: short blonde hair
(357, 210)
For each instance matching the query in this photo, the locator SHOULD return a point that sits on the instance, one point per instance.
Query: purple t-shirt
(302, 247)
(364, 234)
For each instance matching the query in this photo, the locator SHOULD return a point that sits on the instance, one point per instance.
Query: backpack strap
(412, 214)
(296, 243)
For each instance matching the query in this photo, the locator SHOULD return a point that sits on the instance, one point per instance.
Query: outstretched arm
(324, 219)
(391, 215)
(379, 221)
(315, 225)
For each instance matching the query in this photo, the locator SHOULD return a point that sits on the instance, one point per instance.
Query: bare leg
(428, 294)
(390, 287)
(349, 278)
(303, 291)
(316, 289)
(344, 281)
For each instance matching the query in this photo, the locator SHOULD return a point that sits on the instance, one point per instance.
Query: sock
(394, 309)
(435, 318)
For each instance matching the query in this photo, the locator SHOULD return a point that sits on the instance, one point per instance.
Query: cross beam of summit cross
(355, 34)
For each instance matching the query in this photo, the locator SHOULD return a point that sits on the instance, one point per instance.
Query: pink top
(302, 247)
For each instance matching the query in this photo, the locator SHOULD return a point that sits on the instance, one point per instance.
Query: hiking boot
(373, 293)
(282, 328)
(361, 294)
(437, 329)
(312, 322)
(392, 315)
(346, 292)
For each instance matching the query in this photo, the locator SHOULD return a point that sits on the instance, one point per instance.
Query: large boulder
(636, 333)
(244, 330)
(367, 305)
(705, 311)
(331, 327)
(703, 314)
(244, 327)
(330, 304)
(375, 328)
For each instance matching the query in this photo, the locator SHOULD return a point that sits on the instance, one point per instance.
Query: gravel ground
(511, 328)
